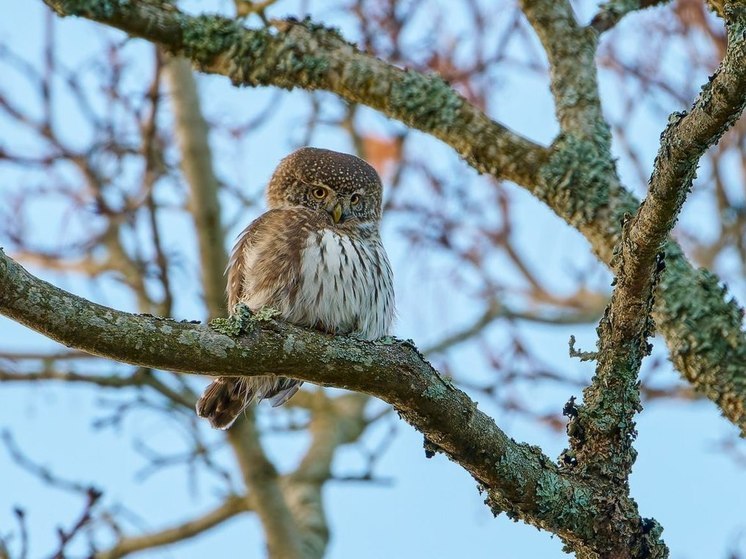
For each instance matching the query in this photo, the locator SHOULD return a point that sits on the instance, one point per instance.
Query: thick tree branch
(602, 430)
(703, 334)
(334, 422)
(571, 50)
(300, 54)
(262, 478)
(686, 138)
(518, 478)
(613, 397)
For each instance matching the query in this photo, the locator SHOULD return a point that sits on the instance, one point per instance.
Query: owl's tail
(222, 402)
(225, 398)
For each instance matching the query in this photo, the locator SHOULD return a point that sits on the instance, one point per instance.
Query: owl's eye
(319, 193)
(355, 199)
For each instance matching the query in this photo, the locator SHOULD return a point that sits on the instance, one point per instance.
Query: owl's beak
(336, 213)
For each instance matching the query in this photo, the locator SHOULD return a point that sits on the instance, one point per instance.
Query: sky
(429, 508)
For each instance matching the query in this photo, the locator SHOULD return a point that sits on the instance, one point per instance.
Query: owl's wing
(236, 269)
(224, 400)
(265, 266)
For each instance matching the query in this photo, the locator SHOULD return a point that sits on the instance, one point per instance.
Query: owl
(316, 257)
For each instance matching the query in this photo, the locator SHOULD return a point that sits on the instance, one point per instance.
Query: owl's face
(342, 185)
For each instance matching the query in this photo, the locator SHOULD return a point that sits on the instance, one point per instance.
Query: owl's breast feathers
(318, 275)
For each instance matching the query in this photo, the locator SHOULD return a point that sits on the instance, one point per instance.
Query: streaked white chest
(345, 286)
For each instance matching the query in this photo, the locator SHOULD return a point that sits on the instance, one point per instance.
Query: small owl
(316, 257)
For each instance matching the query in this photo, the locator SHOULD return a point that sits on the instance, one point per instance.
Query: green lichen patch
(576, 166)
(206, 36)
(91, 8)
(240, 322)
(293, 345)
(228, 326)
(265, 314)
(351, 354)
(292, 58)
(425, 101)
(560, 503)
(386, 340)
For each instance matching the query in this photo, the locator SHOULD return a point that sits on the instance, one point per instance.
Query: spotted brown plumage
(316, 257)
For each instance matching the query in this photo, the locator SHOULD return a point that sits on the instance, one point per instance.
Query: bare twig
(613, 11)
(231, 506)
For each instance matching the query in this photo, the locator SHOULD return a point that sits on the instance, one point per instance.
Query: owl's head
(344, 186)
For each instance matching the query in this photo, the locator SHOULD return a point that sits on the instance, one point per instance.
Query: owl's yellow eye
(319, 193)
(355, 199)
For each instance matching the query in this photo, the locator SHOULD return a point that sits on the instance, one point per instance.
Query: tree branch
(571, 50)
(334, 422)
(302, 54)
(703, 331)
(612, 11)
(613, 397)
(497, 310)
(232, 506)
(518, 478)
(140, 377)
(602, 430)
(284, 540)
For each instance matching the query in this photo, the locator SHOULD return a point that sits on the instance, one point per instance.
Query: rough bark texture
(602, 429)
(613, 397)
